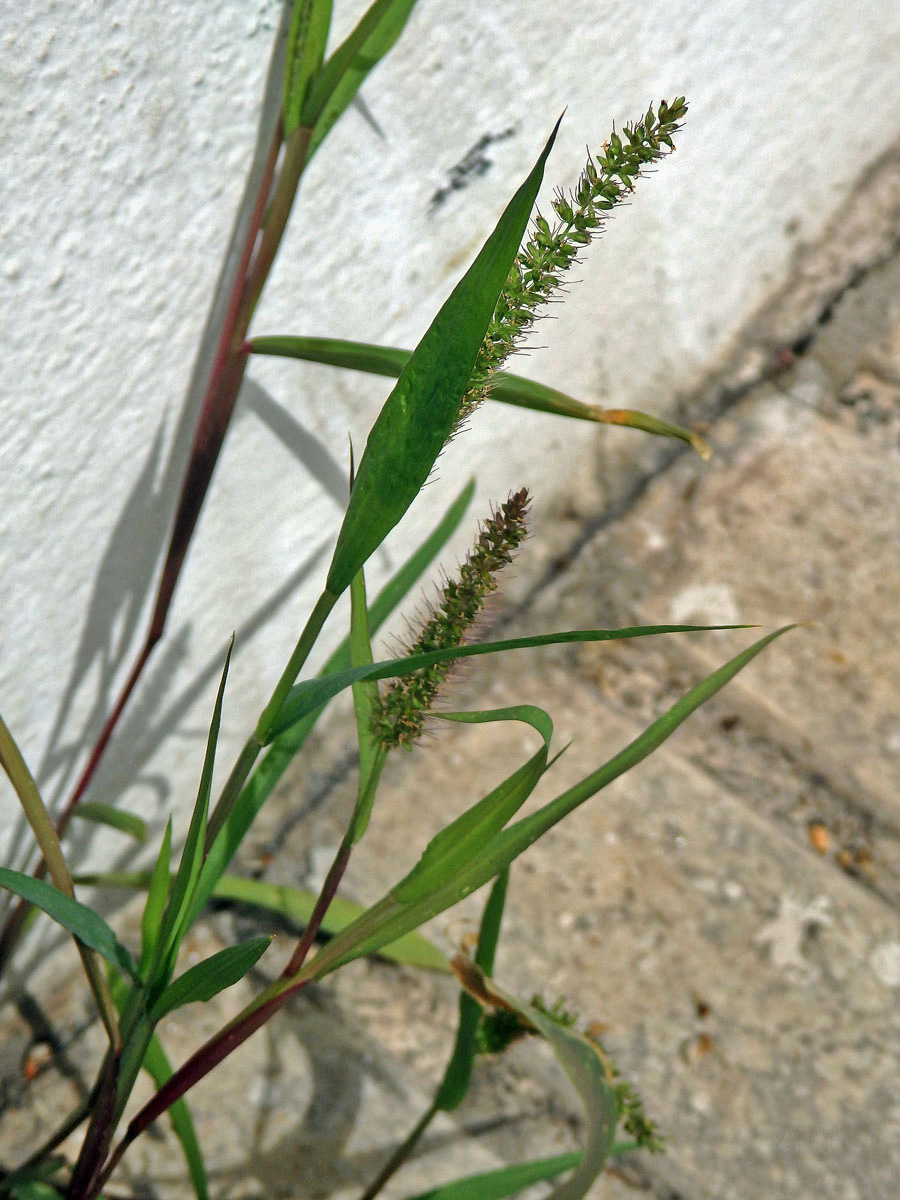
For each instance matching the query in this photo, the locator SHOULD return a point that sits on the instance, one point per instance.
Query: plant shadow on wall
(458, 365)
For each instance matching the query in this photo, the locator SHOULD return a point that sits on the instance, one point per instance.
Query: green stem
(99, 1134)
(400, 1155)
(296, 148)
(329, 888)
(305, 643)
(241, 771)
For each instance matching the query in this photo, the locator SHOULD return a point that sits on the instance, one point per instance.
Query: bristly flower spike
(537, 271)
(400, 716)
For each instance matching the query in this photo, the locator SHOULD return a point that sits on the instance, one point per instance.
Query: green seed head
(551, 250)
(401, 714)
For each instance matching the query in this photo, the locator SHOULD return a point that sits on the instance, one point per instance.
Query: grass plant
(458, 365)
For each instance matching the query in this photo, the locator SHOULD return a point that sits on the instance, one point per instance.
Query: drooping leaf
(463, 838)
(115, 818)
(341, 77)
(206, 979)
(503, 1181)
(309, 694)
(88, 927)
(423, 408)
(307, 35)
(580, 1058)
(389, 919)
(505, 386)
(268, 772)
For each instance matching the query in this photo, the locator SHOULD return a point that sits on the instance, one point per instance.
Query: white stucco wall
(126, 130)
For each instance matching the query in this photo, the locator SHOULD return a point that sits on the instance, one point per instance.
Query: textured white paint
(126, 129)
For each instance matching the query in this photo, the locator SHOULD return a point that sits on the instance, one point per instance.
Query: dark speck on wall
(474, 163)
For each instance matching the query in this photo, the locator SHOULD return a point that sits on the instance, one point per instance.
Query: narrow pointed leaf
(423, 408)
(503, 1181)
(181, 895)
(580, 1059)
(309, 694)
(517, 838)
(342, 75)
(48, 840)
(505, 386)
(34, 808)
(307, 35)
(268, 772)
(115, 818)
(208, 978)
(157, 896)
(90, 929)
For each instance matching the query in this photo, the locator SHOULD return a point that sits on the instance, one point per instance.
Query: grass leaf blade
(390, 918)
(505, 386)
(582, 1061)
(295, 905)
(504, 1181)
(114, 818)
(206, 979)
(461, 840)
(181, 894)
(307, 695)
(307, 35)
(423, 408)
(90, 929)
(47, 839)
(335, 85)
(34, 809)
(157, 895)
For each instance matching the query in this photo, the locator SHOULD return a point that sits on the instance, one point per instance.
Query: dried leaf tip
(403, 707)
